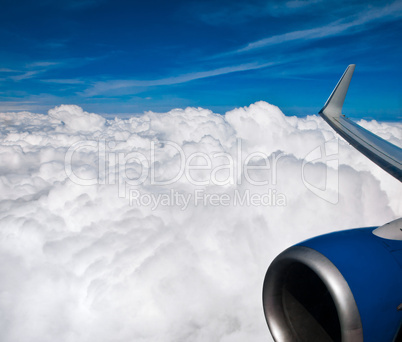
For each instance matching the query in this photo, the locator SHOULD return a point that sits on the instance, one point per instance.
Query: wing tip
(334, 104)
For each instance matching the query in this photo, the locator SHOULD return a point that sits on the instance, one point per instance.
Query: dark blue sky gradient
(126, 57)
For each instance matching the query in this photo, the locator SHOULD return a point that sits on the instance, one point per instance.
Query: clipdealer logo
(328, 156)
(114, 167)
(136, 169)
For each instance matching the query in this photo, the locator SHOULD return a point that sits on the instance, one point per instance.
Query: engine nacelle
(344, 286)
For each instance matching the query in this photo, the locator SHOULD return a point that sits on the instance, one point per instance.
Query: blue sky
(127, 57)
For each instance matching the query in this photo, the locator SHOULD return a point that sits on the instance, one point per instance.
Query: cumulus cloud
(76, 119)
(161, 227)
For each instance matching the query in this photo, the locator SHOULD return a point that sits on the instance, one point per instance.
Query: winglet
(333, 106)
(380, 151)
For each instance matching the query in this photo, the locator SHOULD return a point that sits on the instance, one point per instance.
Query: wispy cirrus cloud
(42, 64)
(30, 70)
(100, 88)
(64, 81)
(240, 12)
(341, 26)
(299, 4)
(7, 70)
(36, 68)
(25, 75)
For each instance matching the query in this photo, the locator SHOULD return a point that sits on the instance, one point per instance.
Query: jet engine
(344, 286)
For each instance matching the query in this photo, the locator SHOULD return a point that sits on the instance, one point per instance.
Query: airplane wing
(380, 151)
(342, 286)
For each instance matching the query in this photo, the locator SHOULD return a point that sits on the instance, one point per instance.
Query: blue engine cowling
(344, 286)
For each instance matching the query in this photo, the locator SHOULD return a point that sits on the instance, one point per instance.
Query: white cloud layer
(79, 263)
